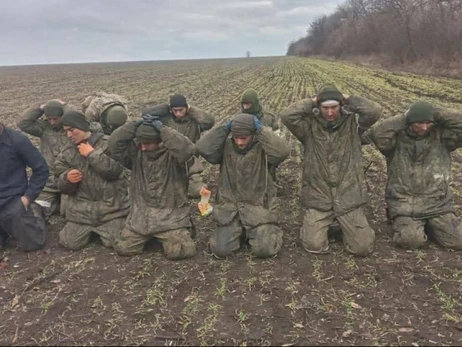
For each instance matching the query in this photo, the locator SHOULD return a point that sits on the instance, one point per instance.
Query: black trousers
(28, 228)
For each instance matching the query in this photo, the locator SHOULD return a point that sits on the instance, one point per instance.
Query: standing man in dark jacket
(418, 148)
(20, 217)
(334, 187)
(189, 121)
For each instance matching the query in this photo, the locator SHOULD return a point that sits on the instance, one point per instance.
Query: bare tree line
(404, 31)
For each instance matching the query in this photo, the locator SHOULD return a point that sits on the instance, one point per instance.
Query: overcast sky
(70, 31)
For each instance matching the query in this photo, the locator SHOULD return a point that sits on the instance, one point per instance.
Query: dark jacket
(17, 153)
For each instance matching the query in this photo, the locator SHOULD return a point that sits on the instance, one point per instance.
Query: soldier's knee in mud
(362, 250)
(184, 250)
(408, 240)
(316, 246)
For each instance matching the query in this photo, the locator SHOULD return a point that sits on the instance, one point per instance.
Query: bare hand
(25, 201)
(345, 97)
(315, 100)
(74, 176)
(85, 149)
(42, 106)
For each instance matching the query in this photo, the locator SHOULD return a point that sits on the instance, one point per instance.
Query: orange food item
(204, 206)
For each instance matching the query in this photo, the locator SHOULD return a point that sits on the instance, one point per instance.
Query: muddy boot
(3, 239)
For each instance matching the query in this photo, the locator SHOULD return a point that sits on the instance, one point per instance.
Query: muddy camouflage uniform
(99, 203)
(95, 106)
(158, 193)
(333, 184)
(246, 197)
(192, 125)
(52, 141)
(418, 193)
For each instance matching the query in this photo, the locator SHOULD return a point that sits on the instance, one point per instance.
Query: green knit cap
(420, 111)
(251, 96)
(75, 119)
(147, 134)
(328, 91)
(116, 116)
(53, 108)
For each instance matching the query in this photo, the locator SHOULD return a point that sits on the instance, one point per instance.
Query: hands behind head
(154, 121)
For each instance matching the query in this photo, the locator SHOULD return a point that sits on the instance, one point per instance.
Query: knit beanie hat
(147, 134)
(75, 119)
(178, 100)
(53, 108)
(328, 92)
(243, 125)
(420, 111)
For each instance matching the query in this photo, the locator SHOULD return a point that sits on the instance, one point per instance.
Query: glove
(228, 124)
(74, 176)
(257, 123)
(153, 121)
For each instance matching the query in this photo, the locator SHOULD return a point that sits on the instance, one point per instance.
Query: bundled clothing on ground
(52, 140)
(27, 226)
(99, 203)
(246, 199)
(333, 182)
(158, 189)
(192, 125)
(418, 193)
(108, 109)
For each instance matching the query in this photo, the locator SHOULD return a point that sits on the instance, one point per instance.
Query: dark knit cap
(178, 100)
(420, 111)
(53, 108)
(147, 134)
(243, 125)
(328, 91)
(75, 119)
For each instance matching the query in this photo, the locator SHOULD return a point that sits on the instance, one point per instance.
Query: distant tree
(247, 54)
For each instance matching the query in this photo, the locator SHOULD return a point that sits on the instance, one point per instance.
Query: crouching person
(98, 198)
(246, 198)
(157, 156)
(20, 217)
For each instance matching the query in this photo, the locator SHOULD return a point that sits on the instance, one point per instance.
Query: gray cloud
(55, 31)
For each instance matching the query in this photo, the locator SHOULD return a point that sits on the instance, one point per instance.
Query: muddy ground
(94, 297)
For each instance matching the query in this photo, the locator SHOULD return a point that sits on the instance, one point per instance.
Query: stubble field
(94, 297)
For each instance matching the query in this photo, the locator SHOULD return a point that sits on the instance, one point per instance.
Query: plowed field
(394, 297)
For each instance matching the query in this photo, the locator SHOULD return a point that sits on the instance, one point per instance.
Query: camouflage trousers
(358, 236)
(265, 240)
(445, 229)
(50, 203)
(177, 243)
(75, 236)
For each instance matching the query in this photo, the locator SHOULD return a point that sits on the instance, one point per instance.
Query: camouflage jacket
(192, 125)
(245, 186)
(159, 180)
(333, 173)
(52, 140)
(102, 195)
(418, 168)
(95, 105)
